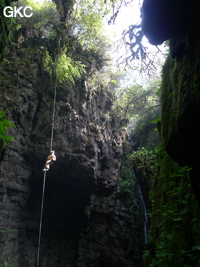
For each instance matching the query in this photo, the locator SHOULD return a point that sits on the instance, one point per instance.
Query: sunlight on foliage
(88, 24)
(67, 69)
(129, 99)
(37, 4)
(106, 78)
(42, 22)
(132, 101)
(80, 41)
(32, 3)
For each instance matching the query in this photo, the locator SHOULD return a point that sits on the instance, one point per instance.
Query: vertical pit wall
(87, 221)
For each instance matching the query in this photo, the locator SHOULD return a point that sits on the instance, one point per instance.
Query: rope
(51, 146)
(40, 229)
(53, 115)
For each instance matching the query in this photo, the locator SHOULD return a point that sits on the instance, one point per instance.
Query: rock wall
(179, 128)
(87, 220)
(175, 235)
(5, 28)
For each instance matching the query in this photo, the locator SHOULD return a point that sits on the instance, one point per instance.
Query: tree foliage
(74, 45)
(134, 100)
(42, 24)
(130, 100)
(144, 160)
(88, 23)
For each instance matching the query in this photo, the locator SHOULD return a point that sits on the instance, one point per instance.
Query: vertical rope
(40, 229)
(51, 146)
(54, 101)
(53, 115)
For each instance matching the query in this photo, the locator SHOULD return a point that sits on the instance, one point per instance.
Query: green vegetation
(145, 161)
(127, 186)
(69, 42)
(174, 234)
(4, 125)
(68, 69)
(174, 238)
(71, 37)
(88, 24)
(140, 105)
(42, 24)
(47, 30)
(135, 99)
(128, 182)
(5, 36)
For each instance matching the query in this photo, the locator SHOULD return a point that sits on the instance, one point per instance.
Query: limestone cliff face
(87, 221)
(177, 184)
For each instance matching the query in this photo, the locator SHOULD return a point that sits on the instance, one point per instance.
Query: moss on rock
(175, 236)
(180, 98)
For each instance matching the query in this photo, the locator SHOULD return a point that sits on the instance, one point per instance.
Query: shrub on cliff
(4, 138)
(4, 125)
(145, 160)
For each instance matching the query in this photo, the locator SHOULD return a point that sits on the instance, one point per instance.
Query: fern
(68, 69)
